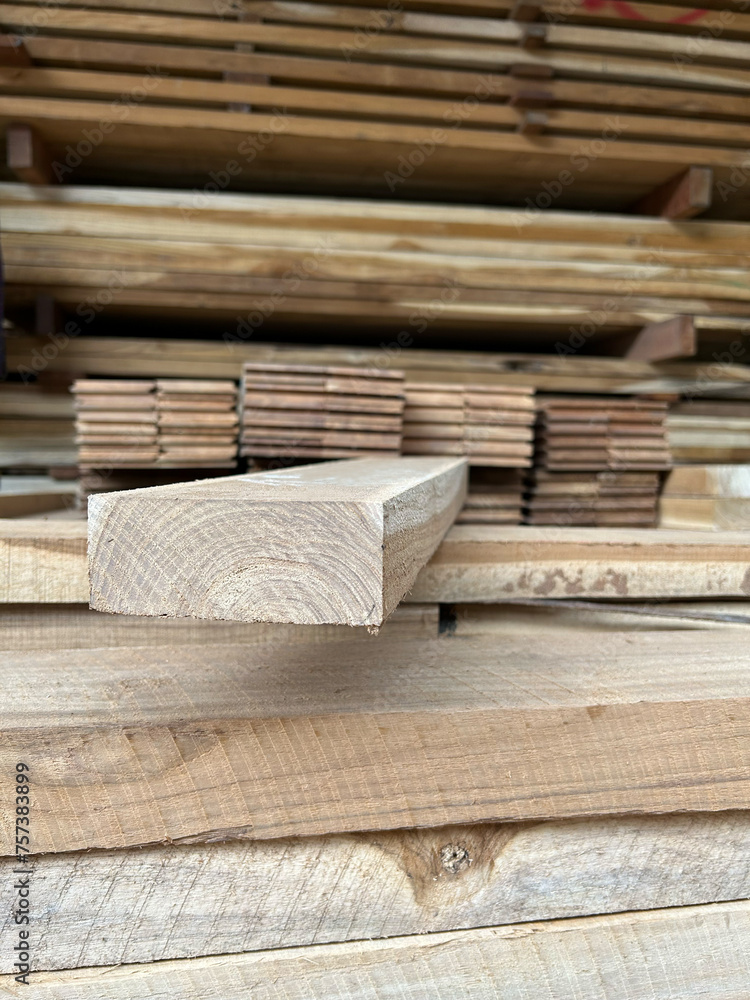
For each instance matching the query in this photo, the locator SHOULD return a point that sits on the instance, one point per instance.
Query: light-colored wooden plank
(91, 909)
(72, 626)
(684, 951)
(338, 543)
(488, 564)
(134, 746)
(42, 562)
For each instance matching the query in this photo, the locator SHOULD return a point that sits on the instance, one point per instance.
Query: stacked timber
(554, 281)
(709, 432)
(435, 98)
(116, 423)
(491, 425)
(308, 411)
(155, 423)
(593, 498)
(707, 497)
(495, 497)
(598, 462)
(579, 433)
(198, 423)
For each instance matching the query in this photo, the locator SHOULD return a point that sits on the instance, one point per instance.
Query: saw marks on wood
(158, 903)
(335, 543)
(194, 743)
(683, 952)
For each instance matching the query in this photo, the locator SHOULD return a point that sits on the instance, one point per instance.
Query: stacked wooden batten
(598, 461)
(308, 411)
(155, 423)
(553, 281)
(347, 94)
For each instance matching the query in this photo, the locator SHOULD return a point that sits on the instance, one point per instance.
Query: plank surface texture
(158, 903)
(136, 745)
(335, 543)
(684, 952)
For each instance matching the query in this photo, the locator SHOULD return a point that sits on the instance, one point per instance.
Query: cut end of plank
(335, 543)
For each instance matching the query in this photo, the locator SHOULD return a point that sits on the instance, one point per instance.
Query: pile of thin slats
(597, 461)
(159, 423)
(553, 281)
(308, 411)
(492, 425)
(608, 498)
(36, 426)
(576, 433)
(495, 497)
(709, 431)
(345, 91)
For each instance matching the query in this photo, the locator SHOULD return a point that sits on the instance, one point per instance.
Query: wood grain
(335, 543)
(159, 903)
(485, 564)
(680, 952)
(190, 743)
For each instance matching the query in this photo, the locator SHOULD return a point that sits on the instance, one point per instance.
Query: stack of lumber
(593, 498)
(159, 357)
(559, 280)
(429, 96)
(36, 426)
(576, 433)
(709, 432)
(145, 423)
(116, 423)
(709, 497)
(597, 461)
(309, 411)
(495, 497)
(492, 425)
(198, 423)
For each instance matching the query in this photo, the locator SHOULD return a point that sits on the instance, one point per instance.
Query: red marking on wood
(629, 12)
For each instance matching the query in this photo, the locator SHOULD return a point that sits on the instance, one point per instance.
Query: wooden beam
(28, 156)
(672, 338)
(686, 195)
(337, 543)
(485, 564)
(526, 10)
(699, 952)
(371, 885)
(533, 36)
(278, 740)
(48, 317)
(74, 626)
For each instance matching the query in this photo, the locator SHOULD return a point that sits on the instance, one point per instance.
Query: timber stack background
(497, 250)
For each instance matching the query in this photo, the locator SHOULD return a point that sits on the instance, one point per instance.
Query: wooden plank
(708, 481)
(42, 562)
(333, 543)
(697, 952)
(487, 564)
(227, 741)
(673, 338)
(545, 616)
(314, 890)
(688, 194)
(23, 504)
(72, 626)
